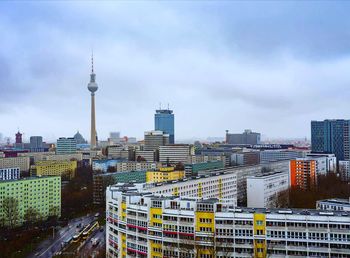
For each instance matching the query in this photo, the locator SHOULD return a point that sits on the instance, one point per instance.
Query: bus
(79, 234)
(89, 229)
(66, 241)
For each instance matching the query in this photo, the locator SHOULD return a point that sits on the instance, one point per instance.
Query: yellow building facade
(164, 174)
(64, 168)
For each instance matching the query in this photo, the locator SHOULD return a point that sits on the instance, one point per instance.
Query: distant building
(40, 193)
(22, 162)
(66, 146)
(331, 136)
(193, 168)
(64, 168)
(155, 139)
(334, 205)
(79, 139)
(36, 143)
(175, 153)
(18, 138)
(148, 156)
(164, 121)
(326, 163)
(137, 166)
(104, 164)
(247, 137)
(276, 155)
(245, 158)
(114, 137)
(9, 174)
(303, 173)
(263, 189)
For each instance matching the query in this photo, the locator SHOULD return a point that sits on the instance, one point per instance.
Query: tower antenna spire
(92, 60)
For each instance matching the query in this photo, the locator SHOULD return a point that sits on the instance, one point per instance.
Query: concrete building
(155, 225)
(344, 170)
(328, 162)
(155, 139)
(263, 189)
(193, 159)
(148, 156)
(245, 158)
(21, 162)
(40, 193)
(9, 174)
(303, 173)
(246, 138)
(164, 174)
(65, 168)
(66, 146)
(36, 143)
(39, 156)
(175, 153)
(137, 166)
(193, 168)
(334, 205)
(277, 155)
(164, 121)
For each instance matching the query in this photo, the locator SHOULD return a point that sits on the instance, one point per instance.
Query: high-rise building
(79, 138)
(164, 121)
(18, 138)
(154, 139)
(66, 145)
(40, 193)
(303, 173)
(92, 87)
(331, 136)
(36, 143)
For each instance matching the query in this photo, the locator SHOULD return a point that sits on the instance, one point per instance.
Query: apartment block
(303, 173)
(175, 153)
(194, 168)
(164, 174)
(263, 189)
(137, 166)
(9, 174)
(335, 204)
(65, 169)
(41, 193)
(22, 162)
(152, 225)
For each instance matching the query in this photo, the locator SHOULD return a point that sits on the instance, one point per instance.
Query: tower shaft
(93, 122)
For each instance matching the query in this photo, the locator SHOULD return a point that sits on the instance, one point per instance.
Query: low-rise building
(263, 189)
(334, 204)
(9, 174)
(64, 168)
(40, 193)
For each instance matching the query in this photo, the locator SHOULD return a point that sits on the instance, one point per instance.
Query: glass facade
(331, 136)
(164, 121)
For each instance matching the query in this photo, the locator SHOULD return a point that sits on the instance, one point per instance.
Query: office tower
(154, 139)
(18, 138)
(331, 136)
(79, 138)
(66, 146)
(303, 173)
(164, 121)
(40, 193)
(36, 143)
(92, 87)
(247, 137)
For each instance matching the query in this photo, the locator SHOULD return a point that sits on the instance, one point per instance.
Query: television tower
(92, 87)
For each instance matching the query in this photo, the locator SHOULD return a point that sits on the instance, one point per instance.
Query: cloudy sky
(268, 66)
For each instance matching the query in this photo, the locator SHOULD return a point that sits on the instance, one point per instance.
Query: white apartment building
(141, 224)
(23, 163)
(175, 153)
(334, 205)
(9, 174)
(263, 189)
(137, 166)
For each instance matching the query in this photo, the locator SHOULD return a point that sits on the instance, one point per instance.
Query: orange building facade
(303, 173)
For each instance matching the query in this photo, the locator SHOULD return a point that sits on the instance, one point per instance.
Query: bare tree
(10, 208)
(32, 215)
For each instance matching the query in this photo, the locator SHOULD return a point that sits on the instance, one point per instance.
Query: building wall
(276, 155)
(193, 169)
(303, 173)
(9, 174)
(65, 169)
(137, 166)
(164, 174)
(41, 193)
(175, 153)
(66, 146)
(21, 162)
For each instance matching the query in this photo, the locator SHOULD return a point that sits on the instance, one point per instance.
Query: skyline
(209, 61)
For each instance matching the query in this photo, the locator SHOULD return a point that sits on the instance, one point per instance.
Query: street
(88, 250)
(47, 248)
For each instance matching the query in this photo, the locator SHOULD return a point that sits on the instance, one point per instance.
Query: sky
(267, 66)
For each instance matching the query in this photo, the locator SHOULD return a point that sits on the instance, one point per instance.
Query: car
(97, 215)
(101, 229)
(79, 225)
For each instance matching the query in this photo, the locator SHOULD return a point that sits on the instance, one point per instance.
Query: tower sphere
(92, 86)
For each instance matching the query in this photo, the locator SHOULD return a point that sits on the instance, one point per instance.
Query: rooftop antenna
(168, 106)
(160, 105)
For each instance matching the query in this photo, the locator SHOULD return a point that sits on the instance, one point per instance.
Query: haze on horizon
(268, 66)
